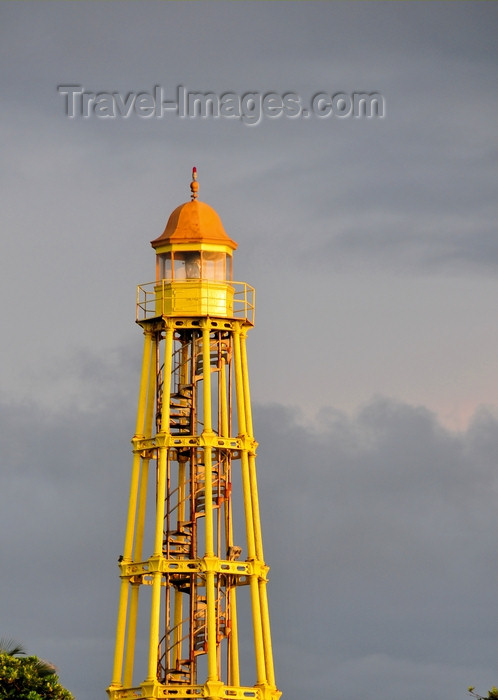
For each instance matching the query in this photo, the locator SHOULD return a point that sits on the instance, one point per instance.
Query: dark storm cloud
(379, 530)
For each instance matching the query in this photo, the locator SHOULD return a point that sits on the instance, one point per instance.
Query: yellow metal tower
(188, 557)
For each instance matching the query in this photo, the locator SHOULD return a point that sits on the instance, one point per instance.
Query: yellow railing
(228, 299)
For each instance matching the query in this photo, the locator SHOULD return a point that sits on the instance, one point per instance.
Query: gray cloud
(379, 531)
(381, 538)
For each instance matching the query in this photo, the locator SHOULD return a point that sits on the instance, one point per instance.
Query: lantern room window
(163, 266)
(214, 266)
(194, 264)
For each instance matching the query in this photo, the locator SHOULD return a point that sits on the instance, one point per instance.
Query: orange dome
(194, 222)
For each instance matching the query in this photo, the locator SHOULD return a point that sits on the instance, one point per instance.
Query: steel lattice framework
(194, 429)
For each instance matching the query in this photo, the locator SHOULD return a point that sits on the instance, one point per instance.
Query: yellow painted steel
(168, 345)
(193, 428)
(193, 297)
(265, 617)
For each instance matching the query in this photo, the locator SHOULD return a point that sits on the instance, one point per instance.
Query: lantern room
(194, 261)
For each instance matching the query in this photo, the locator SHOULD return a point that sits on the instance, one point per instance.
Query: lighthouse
(193, 550)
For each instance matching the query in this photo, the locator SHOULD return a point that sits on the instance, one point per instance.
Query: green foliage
(492, 695)
(27, 677)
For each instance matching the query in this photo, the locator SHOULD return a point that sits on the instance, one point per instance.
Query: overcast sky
(373, 248)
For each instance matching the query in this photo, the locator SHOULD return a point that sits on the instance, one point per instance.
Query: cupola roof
(194, 222)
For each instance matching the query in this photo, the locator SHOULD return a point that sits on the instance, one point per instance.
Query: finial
(194, 185)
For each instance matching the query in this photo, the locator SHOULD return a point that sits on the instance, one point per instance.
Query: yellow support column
(249, 512)
(233, 640)
(140, 525)
(155, 608)
(117, 676)
(265, 615)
